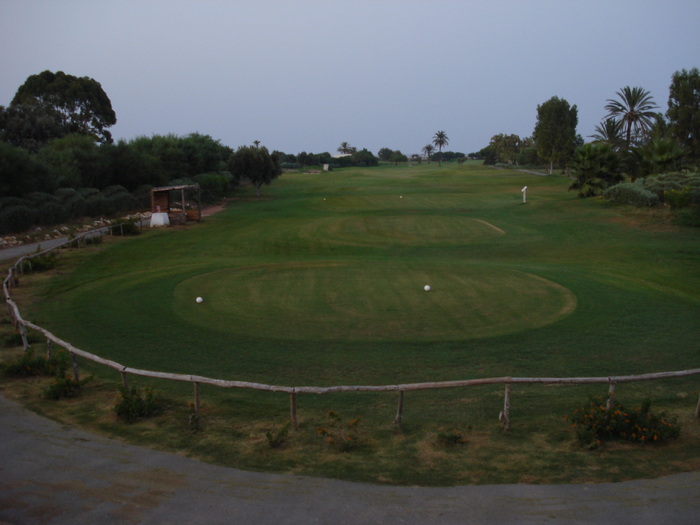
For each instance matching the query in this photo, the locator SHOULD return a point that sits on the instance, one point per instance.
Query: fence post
(23, 334)
(611, 396)
(697, 408)
(125, 381)
(399, 412)
(76, 371)
(49, 349)
(11, 313)
(505, 415)
(293, 409)
(196, 398)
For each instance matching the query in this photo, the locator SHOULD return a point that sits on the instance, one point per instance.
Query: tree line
(633, 140)
(58, 160)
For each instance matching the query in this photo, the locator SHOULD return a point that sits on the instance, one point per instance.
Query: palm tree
(609, 131)
(440, 139)
(596, 167)
(256, 143)
(428, 151)
(345, 148)
(634, 110)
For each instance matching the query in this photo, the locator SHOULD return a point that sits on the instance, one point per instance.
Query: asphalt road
(52, 474)
(15, 252)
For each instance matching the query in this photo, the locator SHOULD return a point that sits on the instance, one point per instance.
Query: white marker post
(524, 190)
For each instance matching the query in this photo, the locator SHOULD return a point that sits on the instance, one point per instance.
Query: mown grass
(320, 282)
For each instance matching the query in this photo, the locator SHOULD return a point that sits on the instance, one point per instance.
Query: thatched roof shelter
(165, 200)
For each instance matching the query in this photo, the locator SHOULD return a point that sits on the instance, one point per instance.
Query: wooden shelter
(164, 200)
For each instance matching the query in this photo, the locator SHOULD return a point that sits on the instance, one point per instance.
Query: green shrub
(670, 182)
(30, 364)
(594, 424)
(13, 340)
(27, 365)
(18, 218)
(65, 387)
(40, 263)
(213, 186)
(126, 228)
(96, 205)
(93, 239)
(277, 439)
(9, 202)
(65, 193)
(133, 405)
(631, 193)
(678, 199)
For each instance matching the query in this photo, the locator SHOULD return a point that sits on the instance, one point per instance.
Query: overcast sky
(306, 75)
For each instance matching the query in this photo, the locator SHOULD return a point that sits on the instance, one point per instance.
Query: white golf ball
(426, 288)
(199, 299)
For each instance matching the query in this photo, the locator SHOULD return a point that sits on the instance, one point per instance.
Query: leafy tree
(129, 166)
(440, 139)
(364, 158)
(165, 154)
(21, 173)
(596, 167)
(255, 165)
(203, 154)
(634, 110)
(684, 110)
(507, 147)
(555, 131)
(428, 151)
(28, 127)
(72, 104)
(452, 155)
(397, 157)
(75, 161)
(527, 156)
(385, 154)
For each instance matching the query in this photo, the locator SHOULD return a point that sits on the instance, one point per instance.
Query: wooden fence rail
(21, 326)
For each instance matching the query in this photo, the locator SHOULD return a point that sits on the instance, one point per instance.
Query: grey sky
(307, 75)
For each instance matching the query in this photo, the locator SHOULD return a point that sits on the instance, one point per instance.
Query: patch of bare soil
(208, 211)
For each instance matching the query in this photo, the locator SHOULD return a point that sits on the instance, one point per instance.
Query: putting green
(362, 301)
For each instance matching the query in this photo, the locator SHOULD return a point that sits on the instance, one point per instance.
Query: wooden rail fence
(22, 325)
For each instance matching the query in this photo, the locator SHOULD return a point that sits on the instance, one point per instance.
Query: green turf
(336, 263)
(320, 282)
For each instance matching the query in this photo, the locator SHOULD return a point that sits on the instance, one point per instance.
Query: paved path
(11, 254)
(52, 474)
